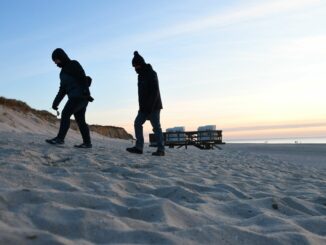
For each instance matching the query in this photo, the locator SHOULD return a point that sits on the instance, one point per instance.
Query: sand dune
(17, 116)
(239, 195)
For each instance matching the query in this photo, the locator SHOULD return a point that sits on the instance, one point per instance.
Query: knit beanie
(137, 60)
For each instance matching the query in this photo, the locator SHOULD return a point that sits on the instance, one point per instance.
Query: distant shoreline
(294, 141)
(272, 143)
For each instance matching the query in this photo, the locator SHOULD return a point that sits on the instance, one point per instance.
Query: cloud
(233, 16)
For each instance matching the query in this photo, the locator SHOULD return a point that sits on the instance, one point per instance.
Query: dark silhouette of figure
(150, 105)
(75, 84)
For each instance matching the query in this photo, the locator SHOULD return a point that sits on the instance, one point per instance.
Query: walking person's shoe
(134, 150)
(158, 153)
(84, 145)
(55, 141)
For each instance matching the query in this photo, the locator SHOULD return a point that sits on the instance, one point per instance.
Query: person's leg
(155, 121)
(83, 127)
(67, 112)
(138, 125)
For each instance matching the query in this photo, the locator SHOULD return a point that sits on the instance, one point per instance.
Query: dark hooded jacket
(73, 80)
(149, 96)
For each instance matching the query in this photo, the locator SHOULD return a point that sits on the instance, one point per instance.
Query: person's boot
(134, 150)
(158, 153)
(84, 145)
(55, 141)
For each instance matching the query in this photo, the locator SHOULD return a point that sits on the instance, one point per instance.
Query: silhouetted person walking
(75, 84)
(150, 105)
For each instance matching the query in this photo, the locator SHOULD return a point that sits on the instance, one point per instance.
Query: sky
(256, 69)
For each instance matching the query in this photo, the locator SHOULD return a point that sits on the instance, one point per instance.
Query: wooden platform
(201, 139)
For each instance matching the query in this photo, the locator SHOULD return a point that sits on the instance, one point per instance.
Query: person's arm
(77, 71)
(153, 94)
(60, 95)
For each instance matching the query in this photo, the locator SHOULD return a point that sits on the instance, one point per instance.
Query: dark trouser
(154, 118)
(77, 108)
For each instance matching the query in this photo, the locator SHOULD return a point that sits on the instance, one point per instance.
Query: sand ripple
(61, 195)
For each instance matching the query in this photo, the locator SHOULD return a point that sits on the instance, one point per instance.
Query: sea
(315, 140)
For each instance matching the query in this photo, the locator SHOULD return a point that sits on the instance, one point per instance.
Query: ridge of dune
(20, 116)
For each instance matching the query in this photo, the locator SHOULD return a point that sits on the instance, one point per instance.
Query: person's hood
(61, 55)
(149, 67)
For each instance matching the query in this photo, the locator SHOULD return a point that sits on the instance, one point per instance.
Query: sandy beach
(61, 195)
(243, 194)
